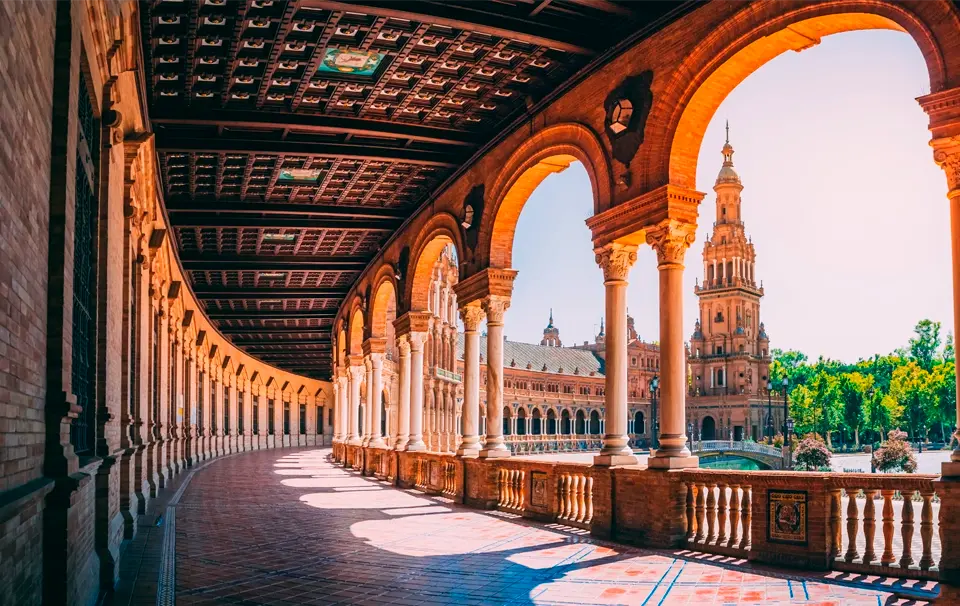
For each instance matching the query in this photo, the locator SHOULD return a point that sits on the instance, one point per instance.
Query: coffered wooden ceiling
(295, 136)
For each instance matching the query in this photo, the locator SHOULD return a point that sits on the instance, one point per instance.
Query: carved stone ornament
(947, 155)
(495, 307)
(627, 108)
(616, 260)
(472, 315)
(671, 239)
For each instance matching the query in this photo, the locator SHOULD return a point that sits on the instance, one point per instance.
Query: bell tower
(729, 349)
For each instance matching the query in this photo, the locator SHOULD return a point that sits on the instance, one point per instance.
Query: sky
(841, 196)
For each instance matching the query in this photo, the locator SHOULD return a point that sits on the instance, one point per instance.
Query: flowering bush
(895, 455)
(812, 454)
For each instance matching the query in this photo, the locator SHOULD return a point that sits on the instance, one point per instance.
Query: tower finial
(728, 132)
(551, 315)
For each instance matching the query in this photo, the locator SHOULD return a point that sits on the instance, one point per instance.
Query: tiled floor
(289, 527)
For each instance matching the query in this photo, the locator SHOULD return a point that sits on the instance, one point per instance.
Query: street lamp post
(690, 431)
(655, 425)
(768, 429)
(786, 408)
(788, 443)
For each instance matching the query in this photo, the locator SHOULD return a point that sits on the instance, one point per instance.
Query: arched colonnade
(644, 194)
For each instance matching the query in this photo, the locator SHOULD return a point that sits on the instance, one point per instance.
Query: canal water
(731, 463)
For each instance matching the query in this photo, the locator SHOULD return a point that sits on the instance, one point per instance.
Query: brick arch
(753, 37)
(549, 151)
(355, 334)
(384, 293)
(442, 229)
(341, 344)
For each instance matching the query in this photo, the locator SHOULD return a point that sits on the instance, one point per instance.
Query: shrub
(812, 454)
(778, 440)
(895, 455)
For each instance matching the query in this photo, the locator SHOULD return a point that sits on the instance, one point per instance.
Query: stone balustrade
(719, 512)
(511, 493)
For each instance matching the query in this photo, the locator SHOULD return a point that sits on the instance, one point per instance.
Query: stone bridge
(768, 456)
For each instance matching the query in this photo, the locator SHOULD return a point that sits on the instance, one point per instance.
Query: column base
(494, 453)
(415, 447)
(614, 460)
(681, 462)
(353, 442)
(468, 453)
(377, 443)
(950, 469)
(401, 445)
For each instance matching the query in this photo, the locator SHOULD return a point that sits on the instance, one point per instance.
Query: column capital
(615, 260)
(671, 239)
(472, 314)
(417, 340)
(495, 306)
(376, 360)
(403, 344)
(357, 372)
(946, 153)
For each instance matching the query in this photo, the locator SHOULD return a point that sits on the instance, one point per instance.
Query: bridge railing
(732, 445)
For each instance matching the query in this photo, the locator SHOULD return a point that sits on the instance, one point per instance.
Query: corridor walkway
(289, 527)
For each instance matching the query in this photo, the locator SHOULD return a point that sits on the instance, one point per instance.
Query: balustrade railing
(575, 498)
(450, 478)
(510, 489)
(904, 508)
(719, 512)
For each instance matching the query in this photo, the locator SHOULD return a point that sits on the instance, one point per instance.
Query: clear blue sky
(841, 196)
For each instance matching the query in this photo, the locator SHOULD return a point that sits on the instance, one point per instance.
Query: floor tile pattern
(289, 527)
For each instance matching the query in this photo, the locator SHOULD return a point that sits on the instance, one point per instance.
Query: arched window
(507, 418)
(638, 427)
(537, 423)
(581, 423)
(565, 422)
(551, 422)
(521, 422)
(594, 423)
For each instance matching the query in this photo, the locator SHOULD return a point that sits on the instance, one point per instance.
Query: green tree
(949, 352)
(826, 397)
(853, 389)
(913, 389)
(943, 381)
(926, 344)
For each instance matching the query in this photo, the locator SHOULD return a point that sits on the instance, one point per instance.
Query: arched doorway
(708, 428)
(537, 423)
(565, 422)
(521, 422)
(594, 423)
(638, 426)
(507, 421)
(551, 422)
(581, 423)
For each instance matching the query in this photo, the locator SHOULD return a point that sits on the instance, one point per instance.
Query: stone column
(415, 441)
(367, 408)
(615, 260)
(494, 307)
(343, 412)
(375, 398)
(472, 315)
(947, 155)
(404, 396)
(671, 239)
(355, 374)
(337, 413)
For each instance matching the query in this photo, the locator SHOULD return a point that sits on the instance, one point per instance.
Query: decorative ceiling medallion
(300, 175)
(350, 62)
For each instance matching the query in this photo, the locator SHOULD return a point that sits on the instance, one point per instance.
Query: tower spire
(728, 132)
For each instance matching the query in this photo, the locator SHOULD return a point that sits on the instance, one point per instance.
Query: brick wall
(26, 82)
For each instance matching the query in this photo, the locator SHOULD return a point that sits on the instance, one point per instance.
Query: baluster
(926, 529)
(581, 499)
(722, 515)
(588, 491)
(701, 509)
(561, 498)
(853, 523)
(746, 516)
(691, 511)
(501, 488)
(887, 558)
(512, 489)
(572, 498)
(836, 522)
(520, 491)
(906, 530)
(711, 513)
(869, 526)
(734, 515)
